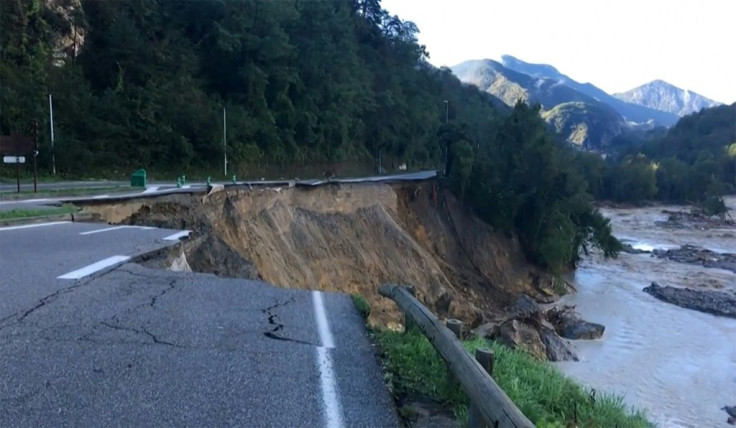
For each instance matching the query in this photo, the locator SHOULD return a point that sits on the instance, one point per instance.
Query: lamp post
(447, 118)
(51, 127)
(224, 139)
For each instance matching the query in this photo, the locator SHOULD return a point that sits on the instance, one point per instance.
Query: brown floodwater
(678, 364)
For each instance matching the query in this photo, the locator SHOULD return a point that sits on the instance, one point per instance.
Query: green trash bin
(138, 179)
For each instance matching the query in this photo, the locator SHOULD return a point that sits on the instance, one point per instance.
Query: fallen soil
(709, 301)
(350, 238)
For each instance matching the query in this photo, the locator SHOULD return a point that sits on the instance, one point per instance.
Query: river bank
(677, 363)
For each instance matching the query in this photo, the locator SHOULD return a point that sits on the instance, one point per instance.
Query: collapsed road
(88, 338)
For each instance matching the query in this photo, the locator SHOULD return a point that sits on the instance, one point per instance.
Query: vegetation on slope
(546, 396)
(303, 82)
(694, 162)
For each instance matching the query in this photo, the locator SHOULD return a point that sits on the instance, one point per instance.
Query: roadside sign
(15, 144)
(14, 159)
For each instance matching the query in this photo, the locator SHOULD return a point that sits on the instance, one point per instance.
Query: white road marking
(100, 196)
(151, 189)
(177, 236)
(94, 267)
(332, 411)
(110, 229)
(320, 316)
(29, 226)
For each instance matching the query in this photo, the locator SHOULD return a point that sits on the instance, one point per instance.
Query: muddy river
(678, 364)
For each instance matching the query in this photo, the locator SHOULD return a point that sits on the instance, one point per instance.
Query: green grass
(545, 395)
(19, 214)
(361, 305)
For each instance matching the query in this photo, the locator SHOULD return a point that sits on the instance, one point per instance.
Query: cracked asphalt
(135, 346)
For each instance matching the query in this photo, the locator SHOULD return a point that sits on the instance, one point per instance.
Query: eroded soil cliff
(350, 238)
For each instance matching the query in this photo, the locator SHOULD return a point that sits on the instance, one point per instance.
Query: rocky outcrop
(568, 324)
(558, 349)
(525, 328)
(708, 301)
(699, 256)
(520, 335)
(693, 220)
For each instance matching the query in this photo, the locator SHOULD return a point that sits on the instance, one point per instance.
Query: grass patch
(543, 393)
(361, 305)
(18, 214)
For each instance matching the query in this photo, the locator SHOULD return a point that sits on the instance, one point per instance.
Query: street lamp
(447, 144)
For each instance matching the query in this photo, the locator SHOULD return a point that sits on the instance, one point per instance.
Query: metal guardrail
(489, 405)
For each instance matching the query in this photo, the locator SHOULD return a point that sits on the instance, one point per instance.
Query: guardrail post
(486, 358)
(408, 324)
(456, 327)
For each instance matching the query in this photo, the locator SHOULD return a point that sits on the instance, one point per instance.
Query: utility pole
(51, 125)
(447, 144)
(224, 139)
(35, 155)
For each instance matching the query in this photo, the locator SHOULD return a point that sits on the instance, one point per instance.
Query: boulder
(568, 324)
(558, 349)
(524, 307)
(519, 335)
(486, 330)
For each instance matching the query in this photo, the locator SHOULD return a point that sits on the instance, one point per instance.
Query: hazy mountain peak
(537, 70)
(664, 96)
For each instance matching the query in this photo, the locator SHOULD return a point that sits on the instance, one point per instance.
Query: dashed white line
(94, 267)
(177, 236)
(110, 229)
(29, 226)
(332, 411)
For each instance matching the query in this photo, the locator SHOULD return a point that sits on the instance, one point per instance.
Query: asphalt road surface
(134, 346)
(27, 184)
(153, 189)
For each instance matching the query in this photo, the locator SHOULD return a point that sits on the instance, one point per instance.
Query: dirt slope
(350, 238)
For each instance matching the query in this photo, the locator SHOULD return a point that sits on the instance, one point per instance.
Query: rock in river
(568, 324)
(709, 301)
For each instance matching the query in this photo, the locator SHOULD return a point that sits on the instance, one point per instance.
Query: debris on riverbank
(693, 220)
(708, 301)
(699, 256)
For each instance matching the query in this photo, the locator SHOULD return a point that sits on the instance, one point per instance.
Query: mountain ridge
(664, 96)
(630, 111)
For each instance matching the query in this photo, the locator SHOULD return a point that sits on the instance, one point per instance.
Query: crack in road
(143, 330)
(41, 303)
(273, 320)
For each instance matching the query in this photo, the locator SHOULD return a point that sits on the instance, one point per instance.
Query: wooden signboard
(15, 145)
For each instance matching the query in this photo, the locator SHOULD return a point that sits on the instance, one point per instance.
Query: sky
(615, 45)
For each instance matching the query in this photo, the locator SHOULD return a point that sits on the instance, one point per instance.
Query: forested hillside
(143, 83)
(693, 162)
(302, 81)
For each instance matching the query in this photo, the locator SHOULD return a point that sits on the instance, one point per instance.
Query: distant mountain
(632, 112)
(666, 97)
(580, 119)
(511, 86)
(589, 126)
